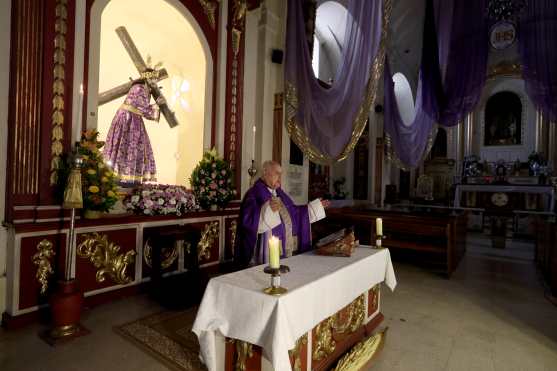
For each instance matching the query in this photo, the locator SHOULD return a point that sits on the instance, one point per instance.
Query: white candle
(253, 144)
(379, 226)
(79, 127)
(274, 252)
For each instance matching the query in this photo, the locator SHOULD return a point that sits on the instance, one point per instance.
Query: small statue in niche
(503, 114)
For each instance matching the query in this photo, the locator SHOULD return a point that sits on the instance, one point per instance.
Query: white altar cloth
(318, 287)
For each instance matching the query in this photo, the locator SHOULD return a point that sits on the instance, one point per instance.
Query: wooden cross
(152, 79)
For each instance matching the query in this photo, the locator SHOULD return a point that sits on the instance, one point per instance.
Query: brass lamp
(67, 301)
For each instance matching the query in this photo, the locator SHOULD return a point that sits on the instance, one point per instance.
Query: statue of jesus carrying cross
(127, 146)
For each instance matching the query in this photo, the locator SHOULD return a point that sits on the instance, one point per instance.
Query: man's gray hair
(268, 165)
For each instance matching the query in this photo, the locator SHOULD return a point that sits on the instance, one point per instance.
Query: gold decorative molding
(244, 351)
(208, 236)
(58, 88)
(106, 258)
(233, 228)
(325, 344)
(502, 69)
(361, 353)
(41, 259)
(209, 8)
(295, 353)
(169, 255)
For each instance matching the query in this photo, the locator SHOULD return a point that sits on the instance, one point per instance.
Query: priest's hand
(274, 204)
(325, 203)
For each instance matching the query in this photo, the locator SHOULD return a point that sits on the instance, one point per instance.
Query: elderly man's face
(272, 177)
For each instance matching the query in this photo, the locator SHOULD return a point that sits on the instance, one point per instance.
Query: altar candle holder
(252, 171)
(275, 288)
(378, 240)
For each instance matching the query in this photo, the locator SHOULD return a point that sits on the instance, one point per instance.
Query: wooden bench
(436, 238)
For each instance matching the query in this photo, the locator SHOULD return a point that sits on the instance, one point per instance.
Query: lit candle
(274, 252)
(379, 226)
(78, 127)
(253, 145)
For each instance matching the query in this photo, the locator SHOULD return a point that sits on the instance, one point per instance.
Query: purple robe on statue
(127, 145)
(249, 242)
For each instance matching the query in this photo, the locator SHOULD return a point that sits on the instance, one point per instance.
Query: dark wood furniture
(181, 289)
(435, 237)
(546, 251)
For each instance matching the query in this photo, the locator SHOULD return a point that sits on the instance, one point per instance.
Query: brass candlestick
(275, 288)
(378, 239)
(252, 171)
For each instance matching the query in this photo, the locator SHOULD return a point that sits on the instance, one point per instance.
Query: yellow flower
(91, 172)
(94, 189)
(85, 157)
(101, 165)
(110, 194)
(104, 179)
(108, 174)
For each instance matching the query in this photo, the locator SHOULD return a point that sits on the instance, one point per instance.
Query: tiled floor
(491, 315)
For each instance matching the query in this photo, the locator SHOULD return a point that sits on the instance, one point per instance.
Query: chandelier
(505, 10)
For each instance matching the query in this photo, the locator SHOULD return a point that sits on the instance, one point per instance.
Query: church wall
(5, 12)
(528, 127)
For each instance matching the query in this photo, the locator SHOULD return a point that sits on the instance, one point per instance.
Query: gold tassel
(73, 198)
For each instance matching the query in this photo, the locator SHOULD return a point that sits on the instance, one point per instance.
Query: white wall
(5, 15)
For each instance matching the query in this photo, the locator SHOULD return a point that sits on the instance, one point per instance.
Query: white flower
(148, 203)
(135, 199)
(161, 201)
(145, 193)
(172, 201)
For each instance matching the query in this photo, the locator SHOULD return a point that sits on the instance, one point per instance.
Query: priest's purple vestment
(251, 246)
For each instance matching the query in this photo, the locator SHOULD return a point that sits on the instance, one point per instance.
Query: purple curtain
(538, 50)
(323, 122)
(460, 49)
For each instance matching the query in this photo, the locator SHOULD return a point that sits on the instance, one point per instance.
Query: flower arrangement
(99, 182)
(158, 199)
(211, 181)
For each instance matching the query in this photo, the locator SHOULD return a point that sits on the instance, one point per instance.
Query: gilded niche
(41, 259)
(106, 257)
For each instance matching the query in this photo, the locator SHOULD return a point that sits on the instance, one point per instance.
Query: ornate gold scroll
(106, 258)
(209, 8)
(41, 259)
(210, 233)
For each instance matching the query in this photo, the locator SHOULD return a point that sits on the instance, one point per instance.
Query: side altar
(114, 256)
(331, 304)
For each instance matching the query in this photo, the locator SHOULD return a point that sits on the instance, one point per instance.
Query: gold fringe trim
(298, 134)
(393, 157)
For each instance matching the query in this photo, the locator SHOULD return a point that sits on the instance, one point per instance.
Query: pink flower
(221, 182)
(212, 185)
(213, 175)
(223, 172)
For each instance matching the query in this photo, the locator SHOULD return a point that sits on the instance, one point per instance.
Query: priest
(267, 211)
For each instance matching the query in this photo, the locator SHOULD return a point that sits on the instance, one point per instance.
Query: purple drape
(326, 117)
(460, 49)
(538, 50)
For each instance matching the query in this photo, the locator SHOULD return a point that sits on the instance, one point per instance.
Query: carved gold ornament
(208, 237)
(58, 88)
(106, 258)
(233, 228)
(295, 353)
(325, 343)
(41, 259)
(505, 68)
(209, 8)
(244, 351)
(361, 353)
(169, 254)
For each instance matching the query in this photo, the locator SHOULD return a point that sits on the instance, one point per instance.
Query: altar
(498, 193)
(303, 320)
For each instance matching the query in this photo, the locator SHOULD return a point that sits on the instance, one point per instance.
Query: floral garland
(99, 182)
(158, 199)
(211, 181)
